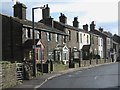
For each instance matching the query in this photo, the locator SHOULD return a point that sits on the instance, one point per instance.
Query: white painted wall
(84, 39)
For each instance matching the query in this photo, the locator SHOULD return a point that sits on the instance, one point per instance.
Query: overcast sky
(103, 12)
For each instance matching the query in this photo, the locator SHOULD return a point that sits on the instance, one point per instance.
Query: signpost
(33, 34)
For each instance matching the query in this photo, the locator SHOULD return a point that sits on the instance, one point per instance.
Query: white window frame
(81, 41)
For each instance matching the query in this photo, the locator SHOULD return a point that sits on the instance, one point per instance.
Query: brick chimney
(92, 26)
(20, 10)
(63, 18)
(46, 12)
(85, 27)
(75, 22)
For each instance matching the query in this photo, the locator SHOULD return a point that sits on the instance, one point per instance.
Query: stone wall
(94, 62)
(8, 74)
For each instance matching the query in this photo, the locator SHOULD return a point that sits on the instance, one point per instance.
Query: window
(81, 37)
(56, 37)
(28, 32)
(65, 39)
(98, 52)
(101, 42)
(37, 54)
(87, 39)
(49, 36)
(77, 36)
(69, 33)
(108, 41)
(37, 34)
(96, 40)
(92, 40)
(31, 31)
(65, 56)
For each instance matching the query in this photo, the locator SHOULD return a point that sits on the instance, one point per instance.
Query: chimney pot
(60, 14)
(101, 29)
(46, 5)
(63, 18)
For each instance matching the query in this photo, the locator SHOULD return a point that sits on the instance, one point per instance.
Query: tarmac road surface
(105, 76)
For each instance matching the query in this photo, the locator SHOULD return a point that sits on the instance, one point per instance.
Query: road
(105, 76)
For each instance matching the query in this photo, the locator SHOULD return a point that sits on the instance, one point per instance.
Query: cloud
(102, 11)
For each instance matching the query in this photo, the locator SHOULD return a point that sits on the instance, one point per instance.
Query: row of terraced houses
(55, 40)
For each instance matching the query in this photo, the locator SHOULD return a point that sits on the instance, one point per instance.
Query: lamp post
(33, 34)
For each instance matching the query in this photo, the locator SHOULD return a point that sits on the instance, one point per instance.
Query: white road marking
(79, 71)
(95, 77)
(38, 86)
(69, 75)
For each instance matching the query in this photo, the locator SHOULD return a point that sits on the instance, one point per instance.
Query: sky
(103, 12)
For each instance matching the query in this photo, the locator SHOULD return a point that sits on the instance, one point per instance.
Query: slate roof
(71, 27)
(98, 32)
(38, 26)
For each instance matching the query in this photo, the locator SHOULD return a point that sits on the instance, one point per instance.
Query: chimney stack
(63, 18)
(92, 26)
(75, 22)
(101, 29)
(20, 10)
(46, 12)
(85, 27)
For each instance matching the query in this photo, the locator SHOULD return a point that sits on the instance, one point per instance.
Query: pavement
(40, 80)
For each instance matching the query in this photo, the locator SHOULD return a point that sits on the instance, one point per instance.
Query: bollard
(51, 65)
(80, 63)
(90, 61)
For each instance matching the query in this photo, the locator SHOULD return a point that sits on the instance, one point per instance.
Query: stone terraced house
(55, 40)
(76, 38)
(17, 35)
